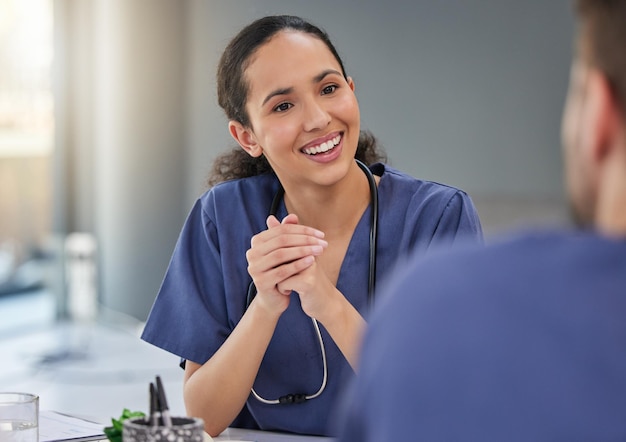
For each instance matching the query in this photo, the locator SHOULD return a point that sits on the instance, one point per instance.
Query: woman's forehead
(286, 57)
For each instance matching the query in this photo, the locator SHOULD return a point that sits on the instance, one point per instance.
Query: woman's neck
(333, 209)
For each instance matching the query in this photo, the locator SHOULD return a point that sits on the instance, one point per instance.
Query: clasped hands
(283, 258)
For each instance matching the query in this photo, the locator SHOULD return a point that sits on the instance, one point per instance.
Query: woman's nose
(315, 116)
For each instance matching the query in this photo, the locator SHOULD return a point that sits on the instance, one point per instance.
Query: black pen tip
(161, 394)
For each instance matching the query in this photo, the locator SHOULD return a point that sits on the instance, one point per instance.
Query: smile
(322, 148)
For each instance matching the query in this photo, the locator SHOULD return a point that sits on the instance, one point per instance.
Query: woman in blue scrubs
(294, 114)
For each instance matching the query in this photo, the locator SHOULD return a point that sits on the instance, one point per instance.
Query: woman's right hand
(283, 250)
(217, 390)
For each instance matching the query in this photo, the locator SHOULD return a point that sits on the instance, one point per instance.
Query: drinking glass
(19, 417)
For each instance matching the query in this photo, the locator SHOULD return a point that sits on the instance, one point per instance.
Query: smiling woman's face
(304, 116)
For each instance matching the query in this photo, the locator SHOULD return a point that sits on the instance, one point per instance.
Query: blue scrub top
(203, 294)
(524, 341)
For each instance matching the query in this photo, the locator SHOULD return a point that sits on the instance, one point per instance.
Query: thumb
(292, 218)
(272, 221)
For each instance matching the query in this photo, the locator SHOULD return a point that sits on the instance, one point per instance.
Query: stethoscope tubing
(373, 239)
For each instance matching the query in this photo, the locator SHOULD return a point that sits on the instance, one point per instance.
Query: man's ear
(245, 137)
(605, 114)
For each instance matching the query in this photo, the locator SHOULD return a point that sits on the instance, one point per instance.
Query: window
(26, 135)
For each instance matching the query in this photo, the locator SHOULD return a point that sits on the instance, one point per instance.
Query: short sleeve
(459, 222)
(189, 316)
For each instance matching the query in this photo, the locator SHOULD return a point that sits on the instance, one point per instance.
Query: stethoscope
(300, 397)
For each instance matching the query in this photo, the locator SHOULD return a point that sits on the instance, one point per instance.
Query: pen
(154, 418)
(165, 411)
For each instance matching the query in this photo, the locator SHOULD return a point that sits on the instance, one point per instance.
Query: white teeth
(324, 147)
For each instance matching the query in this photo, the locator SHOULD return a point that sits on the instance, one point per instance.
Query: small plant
(114, 432)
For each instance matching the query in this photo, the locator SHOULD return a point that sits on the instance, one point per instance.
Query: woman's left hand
(317, 293)
(321, 300)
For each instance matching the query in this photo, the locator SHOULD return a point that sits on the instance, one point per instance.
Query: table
(83, 369)
(94, 370)
(266, 436)
(55, 426)
(240, 435)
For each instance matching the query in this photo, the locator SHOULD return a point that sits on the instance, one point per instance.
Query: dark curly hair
(232, 94)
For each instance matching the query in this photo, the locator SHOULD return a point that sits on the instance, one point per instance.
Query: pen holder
(139, 429)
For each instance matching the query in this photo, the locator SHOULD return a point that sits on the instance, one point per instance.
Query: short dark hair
(603, 40)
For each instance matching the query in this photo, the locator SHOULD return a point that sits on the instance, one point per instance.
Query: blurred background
(109, 124)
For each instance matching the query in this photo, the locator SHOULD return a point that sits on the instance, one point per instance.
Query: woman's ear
(245, 137)
(351, 83)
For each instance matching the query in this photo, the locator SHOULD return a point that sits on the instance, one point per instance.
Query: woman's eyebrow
(281, 91)
(325, 73)
(287, 90)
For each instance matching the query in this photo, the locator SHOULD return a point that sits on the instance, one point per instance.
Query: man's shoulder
(518, 279)
(513, 249)
(477, 258)
(530, 262)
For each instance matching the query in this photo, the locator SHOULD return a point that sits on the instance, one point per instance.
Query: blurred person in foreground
(526, 338)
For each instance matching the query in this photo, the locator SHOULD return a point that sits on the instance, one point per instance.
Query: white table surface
(88, 369)
(95, 370)
(239, 434)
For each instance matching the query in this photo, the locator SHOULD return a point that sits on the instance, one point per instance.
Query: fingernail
(319, 233)
(316, 250)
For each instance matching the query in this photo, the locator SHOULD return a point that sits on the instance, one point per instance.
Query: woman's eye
(329, 89)
(282, 107)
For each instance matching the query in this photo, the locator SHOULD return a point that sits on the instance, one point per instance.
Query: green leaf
(114, 433)
(117, 424)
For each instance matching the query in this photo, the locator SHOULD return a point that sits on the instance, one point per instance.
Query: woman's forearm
(217, 390)
(346, 326)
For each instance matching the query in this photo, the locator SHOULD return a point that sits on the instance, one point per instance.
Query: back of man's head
(602, 40)
(594, 119)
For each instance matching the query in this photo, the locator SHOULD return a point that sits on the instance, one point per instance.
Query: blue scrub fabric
(203, 294)
(522, 340)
